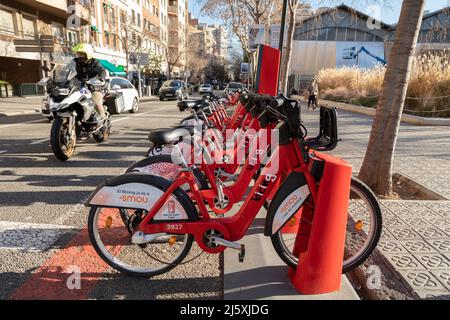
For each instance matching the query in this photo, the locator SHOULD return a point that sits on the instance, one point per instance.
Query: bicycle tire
(356, 261)
(163, 185)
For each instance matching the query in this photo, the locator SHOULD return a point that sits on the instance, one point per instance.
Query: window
(351, 34)
(322, 35)
(331, 36)
(57, 31)
(369, 37)
(360, 35)
(7, 20)
(341, 34)
(29, 26)
(138, 20)
(124, 84)
(72, 37)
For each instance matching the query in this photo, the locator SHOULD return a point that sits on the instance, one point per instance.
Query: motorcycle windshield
(65, 73)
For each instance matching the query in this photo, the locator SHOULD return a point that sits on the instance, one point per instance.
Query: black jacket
(90, 69)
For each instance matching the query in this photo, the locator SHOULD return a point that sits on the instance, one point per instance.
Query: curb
(18, 113)
(148, 99)
(428, 192)
(406, 118)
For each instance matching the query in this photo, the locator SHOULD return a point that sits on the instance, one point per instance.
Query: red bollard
(320, 244)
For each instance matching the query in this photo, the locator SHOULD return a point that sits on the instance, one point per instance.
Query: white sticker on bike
(289, 207)
(139, 196)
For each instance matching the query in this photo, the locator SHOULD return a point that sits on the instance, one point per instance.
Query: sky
(390, 10)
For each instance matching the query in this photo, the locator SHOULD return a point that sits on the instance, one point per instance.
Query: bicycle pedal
(242, 254)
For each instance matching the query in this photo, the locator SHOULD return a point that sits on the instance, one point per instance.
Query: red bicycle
(162, 220)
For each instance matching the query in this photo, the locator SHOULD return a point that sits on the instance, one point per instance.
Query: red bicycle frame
(289, 158)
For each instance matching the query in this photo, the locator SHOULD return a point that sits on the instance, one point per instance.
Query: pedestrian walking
(313, 92)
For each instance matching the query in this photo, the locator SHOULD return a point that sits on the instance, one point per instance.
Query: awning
(112, 69)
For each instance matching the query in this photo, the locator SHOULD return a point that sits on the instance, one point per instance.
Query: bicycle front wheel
(111, 239)
(364, 226)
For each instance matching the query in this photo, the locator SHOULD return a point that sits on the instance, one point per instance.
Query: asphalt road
(43, 224)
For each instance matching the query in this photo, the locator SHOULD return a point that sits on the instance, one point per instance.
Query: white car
(130, 94)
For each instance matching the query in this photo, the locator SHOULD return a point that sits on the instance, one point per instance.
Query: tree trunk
(286, 62)
(376, 170)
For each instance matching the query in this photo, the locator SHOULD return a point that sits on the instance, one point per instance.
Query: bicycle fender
(142, 191)
(286, 202)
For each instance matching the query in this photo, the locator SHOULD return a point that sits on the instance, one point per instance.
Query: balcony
(172, 10)
(56, 8)
(82, 9)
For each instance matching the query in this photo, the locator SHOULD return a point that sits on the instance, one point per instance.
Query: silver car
(206, 89)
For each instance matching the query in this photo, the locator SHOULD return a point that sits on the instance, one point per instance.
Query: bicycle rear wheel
(364, 226)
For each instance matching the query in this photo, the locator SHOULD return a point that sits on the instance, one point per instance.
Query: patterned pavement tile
(404, 233)
(441, 245)
(433, 294)
(433, 261)
(386, 234)
(394, 222)
(424, 281)
(418, 246)
(391, 246)
(415, 221)
(446, 229)
(443, 276)
(428, 232)
(402, 261)
(437, 220)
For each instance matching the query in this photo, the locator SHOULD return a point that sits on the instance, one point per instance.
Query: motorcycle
(69, 102)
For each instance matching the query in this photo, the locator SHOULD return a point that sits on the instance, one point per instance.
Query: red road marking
(49, 282)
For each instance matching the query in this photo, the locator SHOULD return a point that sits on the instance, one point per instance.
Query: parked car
(233, 87)
(173, 89)
(129, 92)
(206, 89)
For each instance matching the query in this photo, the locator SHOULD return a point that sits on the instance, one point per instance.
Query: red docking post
(321, 234)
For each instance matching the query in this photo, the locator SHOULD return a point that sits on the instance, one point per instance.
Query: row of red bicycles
(247, 149)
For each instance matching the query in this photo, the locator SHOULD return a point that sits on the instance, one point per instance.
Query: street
(42, 220)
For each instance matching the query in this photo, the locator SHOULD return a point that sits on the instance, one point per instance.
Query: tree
(376, 170)
(154, 67)
(286, 61)
(239, 14)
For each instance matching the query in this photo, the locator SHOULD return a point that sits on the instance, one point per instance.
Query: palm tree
(376, 170)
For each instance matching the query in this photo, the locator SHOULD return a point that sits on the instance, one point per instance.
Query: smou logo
(135, 199)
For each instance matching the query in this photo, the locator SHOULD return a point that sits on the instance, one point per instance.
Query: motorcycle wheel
(62, 149)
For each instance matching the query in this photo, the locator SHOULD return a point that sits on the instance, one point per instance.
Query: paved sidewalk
(19, 106)
(422, 153)
(263, 275)
(415, 243)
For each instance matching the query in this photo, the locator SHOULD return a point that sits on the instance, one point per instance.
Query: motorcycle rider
(88, 68)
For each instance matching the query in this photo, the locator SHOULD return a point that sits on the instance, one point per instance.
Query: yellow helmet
(85, 48)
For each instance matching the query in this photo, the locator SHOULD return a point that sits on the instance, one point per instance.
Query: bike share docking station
(320, 236)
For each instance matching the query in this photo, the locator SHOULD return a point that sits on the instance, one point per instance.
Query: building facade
(343, 36)
(31, 20)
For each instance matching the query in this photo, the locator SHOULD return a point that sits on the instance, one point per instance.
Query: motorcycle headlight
(56, 92)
